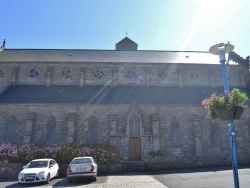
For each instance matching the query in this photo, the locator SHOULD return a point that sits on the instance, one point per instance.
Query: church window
(215, 134)
(1, 73)
(131, 74)
(175, 131)
(33, 73)
(163, 74)
(51, 130)
(134, 126)
(98, 73)
(66, 73)
(93, 131)
(11, 130)
(80, 134)
(194, 75)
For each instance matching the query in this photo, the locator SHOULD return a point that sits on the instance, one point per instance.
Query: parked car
(39, 170)
(82, 167)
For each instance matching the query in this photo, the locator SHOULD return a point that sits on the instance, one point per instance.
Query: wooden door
(134, 148)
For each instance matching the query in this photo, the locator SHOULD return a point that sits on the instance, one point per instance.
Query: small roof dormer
(126, 44)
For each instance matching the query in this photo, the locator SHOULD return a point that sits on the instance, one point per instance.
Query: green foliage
(237, 98)
(21, 156)
(159, 153)
(67, 153)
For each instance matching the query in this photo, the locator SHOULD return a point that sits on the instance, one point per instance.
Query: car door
(52, 168)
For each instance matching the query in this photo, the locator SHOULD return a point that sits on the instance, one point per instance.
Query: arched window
(93, 130)
(175, 131)
(80, 134)
(11, 129)
(134, 126)
(51, 130)
(215, 133)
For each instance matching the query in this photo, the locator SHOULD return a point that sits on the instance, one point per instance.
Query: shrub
(18, 153)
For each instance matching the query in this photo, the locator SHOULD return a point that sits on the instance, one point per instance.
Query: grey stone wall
(150, 140)
(169, 163)
(120, 74)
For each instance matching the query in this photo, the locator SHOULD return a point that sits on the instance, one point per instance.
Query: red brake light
(92, 168)
(69, 169)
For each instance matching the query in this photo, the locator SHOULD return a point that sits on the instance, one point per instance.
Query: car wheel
(94, 178)
(48, 179)
(69, 180)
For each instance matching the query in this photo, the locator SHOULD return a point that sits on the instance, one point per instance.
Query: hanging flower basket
(223, 108)
(233, 113)
(238, 113)
(225, 115)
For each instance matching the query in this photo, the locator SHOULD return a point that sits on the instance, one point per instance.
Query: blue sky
(179, 25)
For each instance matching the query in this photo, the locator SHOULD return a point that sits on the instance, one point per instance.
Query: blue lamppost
(221, 50)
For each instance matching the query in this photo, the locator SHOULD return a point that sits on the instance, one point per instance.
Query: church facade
(139, 101)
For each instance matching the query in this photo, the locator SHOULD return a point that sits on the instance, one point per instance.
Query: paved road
(203, 178)
(195, 178)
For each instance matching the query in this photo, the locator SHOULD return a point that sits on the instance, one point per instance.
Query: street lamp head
(215, 49)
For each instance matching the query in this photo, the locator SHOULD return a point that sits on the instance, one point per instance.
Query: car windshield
(37, 164)
(81, 161)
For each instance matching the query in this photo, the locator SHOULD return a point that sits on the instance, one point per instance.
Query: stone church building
(137, 100)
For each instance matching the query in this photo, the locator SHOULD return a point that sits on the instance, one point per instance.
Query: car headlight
(41, 173)
(20, 174)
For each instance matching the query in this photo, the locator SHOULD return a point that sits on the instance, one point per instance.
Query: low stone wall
(11, 170)
(169, 163)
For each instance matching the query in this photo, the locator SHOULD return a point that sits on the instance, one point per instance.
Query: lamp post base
(233, 152)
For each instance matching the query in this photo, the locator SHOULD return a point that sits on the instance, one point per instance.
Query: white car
(39, 170)
(82, 167)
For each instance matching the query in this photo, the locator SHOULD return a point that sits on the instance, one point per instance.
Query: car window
(37, 164)
(81, 161)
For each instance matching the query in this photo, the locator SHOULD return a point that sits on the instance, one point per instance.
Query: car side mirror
(23, 166)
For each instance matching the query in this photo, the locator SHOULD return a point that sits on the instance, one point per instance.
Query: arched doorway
(134, 138)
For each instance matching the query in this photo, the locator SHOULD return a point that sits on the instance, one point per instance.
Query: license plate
(29, 178)
(80, 169)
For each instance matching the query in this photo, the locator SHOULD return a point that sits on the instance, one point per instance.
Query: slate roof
(111, 56)
(126, 40)
(93, 94)
(126, 44)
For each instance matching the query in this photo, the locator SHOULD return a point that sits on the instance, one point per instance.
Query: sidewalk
(127, 180)
(132, 181)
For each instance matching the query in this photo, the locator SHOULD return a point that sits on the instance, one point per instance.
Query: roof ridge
(53, 49)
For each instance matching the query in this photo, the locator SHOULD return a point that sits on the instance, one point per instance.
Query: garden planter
(238, 112)
(151, 154)
(230, 114)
